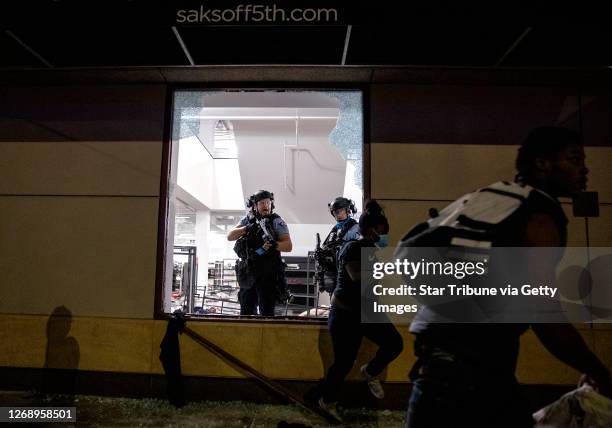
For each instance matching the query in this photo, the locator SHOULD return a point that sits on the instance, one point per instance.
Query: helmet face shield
(337, 211)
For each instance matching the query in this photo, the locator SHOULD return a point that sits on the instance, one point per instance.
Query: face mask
(383, 241)
(338, 212)
(340, 223)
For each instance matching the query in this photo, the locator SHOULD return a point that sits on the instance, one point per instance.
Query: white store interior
(304, 146)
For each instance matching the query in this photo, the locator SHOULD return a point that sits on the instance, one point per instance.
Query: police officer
(261, 236)
(345, 229)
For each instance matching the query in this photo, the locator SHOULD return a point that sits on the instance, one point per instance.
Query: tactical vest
(328, 259)
(334, 238)
(246, 246)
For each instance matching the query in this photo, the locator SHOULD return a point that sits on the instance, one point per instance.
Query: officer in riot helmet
(345, 229)
(260, 237)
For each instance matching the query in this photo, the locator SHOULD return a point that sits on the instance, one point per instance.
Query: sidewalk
(95, 411)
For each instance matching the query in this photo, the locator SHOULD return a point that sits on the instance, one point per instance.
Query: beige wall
(411, 178)
(430, 145)
(279, 351)
(79, 195)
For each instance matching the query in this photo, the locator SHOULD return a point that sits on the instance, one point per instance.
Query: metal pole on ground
(275, 387)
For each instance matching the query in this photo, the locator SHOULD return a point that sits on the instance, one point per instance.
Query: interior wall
(195, 172)
(214, 183)
(302, 177)
(304, 236)
(202, 234)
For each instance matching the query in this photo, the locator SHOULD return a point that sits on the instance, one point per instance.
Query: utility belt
(252, 266)
(246, 277)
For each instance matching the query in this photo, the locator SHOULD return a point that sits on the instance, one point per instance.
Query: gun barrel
(264, 227)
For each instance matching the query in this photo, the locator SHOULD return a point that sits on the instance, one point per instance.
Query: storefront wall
(79, 206)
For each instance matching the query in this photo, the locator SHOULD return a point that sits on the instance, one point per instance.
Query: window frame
(171, 89)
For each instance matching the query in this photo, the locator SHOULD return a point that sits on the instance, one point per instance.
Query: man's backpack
(473, 220)
(464, 231)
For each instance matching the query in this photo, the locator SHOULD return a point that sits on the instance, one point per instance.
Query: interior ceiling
(66, 34)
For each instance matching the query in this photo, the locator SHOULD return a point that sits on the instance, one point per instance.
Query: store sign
(146, 13)
(258, 12)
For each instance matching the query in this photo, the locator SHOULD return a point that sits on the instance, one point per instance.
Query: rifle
(325, 264)
(267, 236)
(284, 296)
(319, 258)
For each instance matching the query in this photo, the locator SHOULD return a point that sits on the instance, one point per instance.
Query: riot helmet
(342, 203)
(259, 196)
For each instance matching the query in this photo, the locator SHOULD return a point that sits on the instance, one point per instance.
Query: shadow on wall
(61, 357)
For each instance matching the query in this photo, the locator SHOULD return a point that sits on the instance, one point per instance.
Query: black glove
(250, 227)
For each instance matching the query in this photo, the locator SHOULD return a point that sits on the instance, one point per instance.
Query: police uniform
(327, 256)
(264, 278)
(346, 230)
